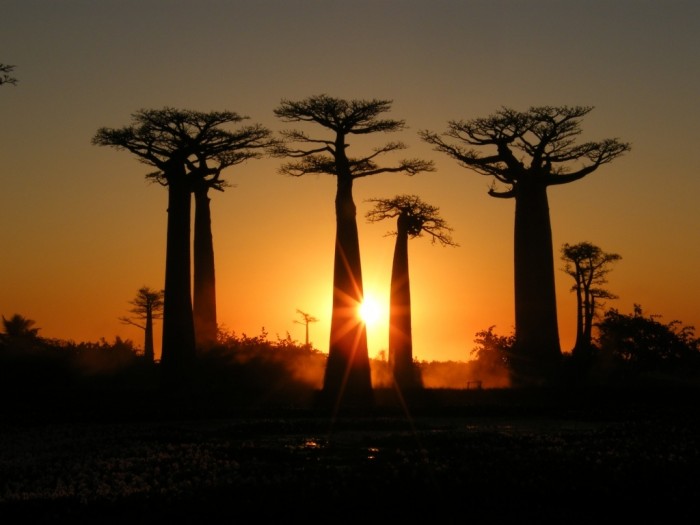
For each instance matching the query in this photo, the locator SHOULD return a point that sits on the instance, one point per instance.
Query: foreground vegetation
(492, 455)
(88, 435)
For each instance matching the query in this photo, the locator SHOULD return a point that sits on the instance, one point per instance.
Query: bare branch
(5, 78)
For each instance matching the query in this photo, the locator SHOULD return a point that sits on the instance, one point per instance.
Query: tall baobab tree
(347, 379)
(306, 319)
(589, 265)
(180, 144)
(532, 151)
(413, 218)
(235, 147)
(146, 307)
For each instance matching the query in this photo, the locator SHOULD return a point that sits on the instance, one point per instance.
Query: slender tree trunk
(537, 347)
(178, 327)
(148, 352)
(400, 332)
(347, 379)
(205, 324)
(588, 323)
(580, 314)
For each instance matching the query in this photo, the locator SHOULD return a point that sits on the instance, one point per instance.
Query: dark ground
(477, 456)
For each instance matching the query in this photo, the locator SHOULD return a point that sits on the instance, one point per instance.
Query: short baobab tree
(147, 306)
(413, 218)
(529, 151)
(306, 320)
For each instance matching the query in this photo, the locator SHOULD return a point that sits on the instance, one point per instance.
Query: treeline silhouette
(635, 349)
(523, 153)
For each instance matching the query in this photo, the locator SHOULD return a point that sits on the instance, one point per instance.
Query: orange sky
(82, 230)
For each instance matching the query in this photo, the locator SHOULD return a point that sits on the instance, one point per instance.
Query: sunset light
(402, 261)
(371, 311)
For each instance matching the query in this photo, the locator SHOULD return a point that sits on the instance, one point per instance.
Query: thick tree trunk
(400, 332)
(148, 352)
(178, 327)
(537, 348)
(205, 325)
(347, 379)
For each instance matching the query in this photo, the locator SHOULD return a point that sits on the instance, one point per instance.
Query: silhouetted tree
(179, 144)
(5, 71)
(306, 320)
(19, 326)
(224, 149)
(413, 218)
(588, 265)
(147, 306)
(20, 338)
(638, 345)
(347, 379)
(534, 149)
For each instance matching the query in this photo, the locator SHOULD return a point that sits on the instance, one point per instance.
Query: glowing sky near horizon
(82, 230)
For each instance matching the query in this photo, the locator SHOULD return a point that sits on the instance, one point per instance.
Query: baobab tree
(347, 378)
(236, 147)
(306, 319)
(180, 144)
(588, 265)
(532, 151)
(413, 218)
(147, 306)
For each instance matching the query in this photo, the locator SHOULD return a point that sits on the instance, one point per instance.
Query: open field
(500, 456)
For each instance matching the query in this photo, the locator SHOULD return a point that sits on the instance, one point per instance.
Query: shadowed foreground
(462, 456)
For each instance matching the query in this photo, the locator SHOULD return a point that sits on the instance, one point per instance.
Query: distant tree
(147, 306)
(347, 379)
(637, 344)
(179, 144)
(19, 326)
(546, 137)
(306, 320)
(589, 266)
(5, 71)
(413, 218)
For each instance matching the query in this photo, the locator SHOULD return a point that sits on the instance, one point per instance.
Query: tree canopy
(538, 143)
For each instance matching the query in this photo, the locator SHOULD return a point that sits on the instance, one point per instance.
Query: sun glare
(370, 310)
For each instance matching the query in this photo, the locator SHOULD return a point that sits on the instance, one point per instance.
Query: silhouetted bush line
(638, 361)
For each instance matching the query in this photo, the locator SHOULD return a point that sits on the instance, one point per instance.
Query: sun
(370, 310)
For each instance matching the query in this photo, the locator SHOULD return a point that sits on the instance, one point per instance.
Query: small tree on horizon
(588, 265)
(147, 306)
(306, 320)
(414, 217)
(20, 326)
